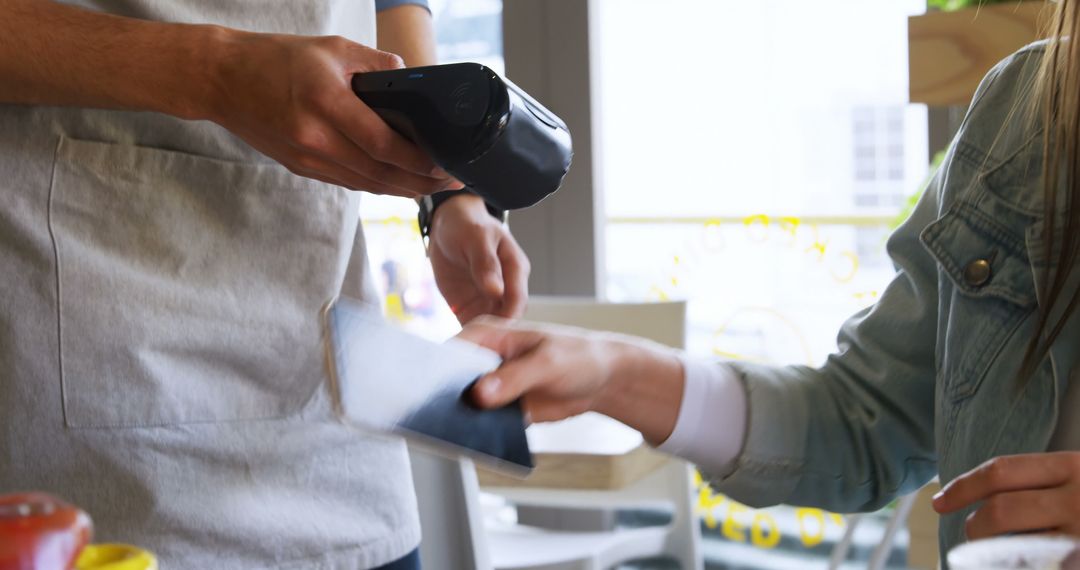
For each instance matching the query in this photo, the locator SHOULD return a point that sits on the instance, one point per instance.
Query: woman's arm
(563, 372)
(287, 96)
(848, 436)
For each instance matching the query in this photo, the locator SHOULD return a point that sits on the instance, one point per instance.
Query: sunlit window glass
(754, 158)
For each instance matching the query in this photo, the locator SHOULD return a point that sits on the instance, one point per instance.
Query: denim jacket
(924, 382)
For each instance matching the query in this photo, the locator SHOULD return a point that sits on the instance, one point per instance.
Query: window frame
(547, 46)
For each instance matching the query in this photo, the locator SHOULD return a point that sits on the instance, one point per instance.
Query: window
(755, 155)
(753, 158)
(467, 30)
(878, 143)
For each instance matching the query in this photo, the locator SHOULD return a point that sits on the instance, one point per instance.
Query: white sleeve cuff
(712, 418)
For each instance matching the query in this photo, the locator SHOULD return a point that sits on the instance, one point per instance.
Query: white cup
(1023, 552)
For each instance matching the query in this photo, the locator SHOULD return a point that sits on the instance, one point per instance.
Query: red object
(40, 532)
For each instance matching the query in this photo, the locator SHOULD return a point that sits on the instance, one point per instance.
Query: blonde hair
(1057, 90)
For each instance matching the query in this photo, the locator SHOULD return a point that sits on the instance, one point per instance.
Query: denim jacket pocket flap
(983, 258)
(985, 284)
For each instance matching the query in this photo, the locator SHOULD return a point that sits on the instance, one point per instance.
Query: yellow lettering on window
(814, 533)
(764, 532)
(733, 529)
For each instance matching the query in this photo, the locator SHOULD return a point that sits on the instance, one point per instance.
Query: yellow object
(115, 557)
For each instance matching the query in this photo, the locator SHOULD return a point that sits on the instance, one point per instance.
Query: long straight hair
(1057, 95)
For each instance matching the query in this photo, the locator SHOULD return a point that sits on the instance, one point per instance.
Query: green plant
(950, 5)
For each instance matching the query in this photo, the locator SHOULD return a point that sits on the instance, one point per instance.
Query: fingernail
(527, 418)
(939, 495)
(438, 172)
(491, 387)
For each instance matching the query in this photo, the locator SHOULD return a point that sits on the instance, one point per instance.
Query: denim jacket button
(977, 273)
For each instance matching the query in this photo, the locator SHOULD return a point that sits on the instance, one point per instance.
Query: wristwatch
(428, 205)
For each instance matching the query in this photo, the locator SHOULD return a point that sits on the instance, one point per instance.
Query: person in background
(966, 367)
(178, 199)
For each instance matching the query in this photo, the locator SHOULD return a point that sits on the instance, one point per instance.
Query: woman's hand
(1038, 492)
(559, 372)
(479, 267)
(290, 98)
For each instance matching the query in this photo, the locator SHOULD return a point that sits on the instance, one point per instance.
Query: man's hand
(478, 266)
(290, 98)
(1038, 492)
(287, 96)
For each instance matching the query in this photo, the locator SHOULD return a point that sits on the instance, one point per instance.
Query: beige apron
(160, 358)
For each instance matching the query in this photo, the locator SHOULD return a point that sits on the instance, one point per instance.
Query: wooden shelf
(580, 471)
(950, 52)
(590, 452)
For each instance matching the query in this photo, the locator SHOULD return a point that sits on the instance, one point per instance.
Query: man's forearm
(408, 32)
(53, 54)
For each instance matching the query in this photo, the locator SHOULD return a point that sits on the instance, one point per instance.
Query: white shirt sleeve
(711, 426)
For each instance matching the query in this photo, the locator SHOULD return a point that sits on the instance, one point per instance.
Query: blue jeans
(410, 562)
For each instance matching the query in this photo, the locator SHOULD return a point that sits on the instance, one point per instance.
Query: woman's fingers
(513, 379)
(1005, 474)
(471, 309)
(555, 372)
(1037, 492)
(487, 332)
(501, 336)
(540, 409)
(1021, 511)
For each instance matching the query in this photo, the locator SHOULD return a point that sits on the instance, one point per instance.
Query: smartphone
(390, 381)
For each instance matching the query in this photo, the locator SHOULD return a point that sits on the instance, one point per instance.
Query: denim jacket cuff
(770, 465)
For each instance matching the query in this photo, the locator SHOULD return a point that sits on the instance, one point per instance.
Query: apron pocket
(190, 287)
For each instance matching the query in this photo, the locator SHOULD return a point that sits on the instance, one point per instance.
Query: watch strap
(430, 203)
